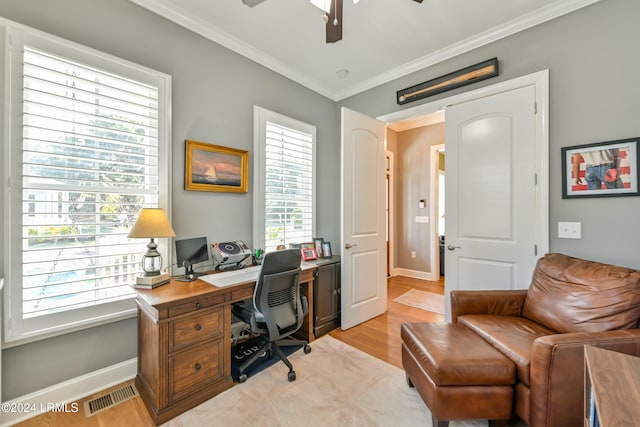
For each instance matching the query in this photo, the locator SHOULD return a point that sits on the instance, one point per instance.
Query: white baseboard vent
(72, 390)
(108, 400)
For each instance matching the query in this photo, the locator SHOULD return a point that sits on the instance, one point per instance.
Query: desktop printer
(230, 255)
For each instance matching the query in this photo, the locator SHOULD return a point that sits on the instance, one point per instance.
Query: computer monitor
(189, 252)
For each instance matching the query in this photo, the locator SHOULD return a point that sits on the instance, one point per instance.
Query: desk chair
(278, 308)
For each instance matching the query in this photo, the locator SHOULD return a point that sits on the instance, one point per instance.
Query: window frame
(18, 330)
(260, 118)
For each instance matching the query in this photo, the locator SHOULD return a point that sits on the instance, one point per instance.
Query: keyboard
(229, 278)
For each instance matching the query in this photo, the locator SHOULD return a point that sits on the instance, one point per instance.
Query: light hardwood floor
(379, 337)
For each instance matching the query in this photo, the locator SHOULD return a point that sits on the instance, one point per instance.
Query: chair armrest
(557, 372)
(305, 304)
(245, 313)
(500, 303)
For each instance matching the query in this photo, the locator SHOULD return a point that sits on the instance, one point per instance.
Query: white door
(364, 284)
(491, 192)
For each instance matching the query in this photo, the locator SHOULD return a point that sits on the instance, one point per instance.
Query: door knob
(451, 247)
(349, 245)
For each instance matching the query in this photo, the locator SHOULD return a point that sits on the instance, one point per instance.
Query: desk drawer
(195, 368)
(195, 305)
(199, 327)
(242, 294)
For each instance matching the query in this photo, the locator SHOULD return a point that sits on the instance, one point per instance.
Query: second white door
(491, 192)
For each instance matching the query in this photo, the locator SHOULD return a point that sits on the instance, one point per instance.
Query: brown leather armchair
(571, 302)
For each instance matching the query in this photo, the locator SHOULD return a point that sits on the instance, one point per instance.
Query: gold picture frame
(210, 167)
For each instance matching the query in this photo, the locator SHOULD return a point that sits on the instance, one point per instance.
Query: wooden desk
(184, 342)
(612, 383)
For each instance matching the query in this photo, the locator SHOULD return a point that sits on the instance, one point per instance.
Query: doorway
(389, 201)
(413, 209)
(437, 202)
(537, 127)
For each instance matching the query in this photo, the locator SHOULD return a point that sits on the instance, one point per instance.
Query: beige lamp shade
(152, 222)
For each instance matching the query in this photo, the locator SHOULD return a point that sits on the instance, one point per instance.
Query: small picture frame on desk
(317, 242)
(326, 250)
(308, 254)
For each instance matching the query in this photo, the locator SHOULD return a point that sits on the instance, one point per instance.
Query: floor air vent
(100, 403)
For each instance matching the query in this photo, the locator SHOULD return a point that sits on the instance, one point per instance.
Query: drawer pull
(198, 305)
(198, 366)
(198, 327)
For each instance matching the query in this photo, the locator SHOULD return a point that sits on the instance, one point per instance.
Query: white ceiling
(382, 39)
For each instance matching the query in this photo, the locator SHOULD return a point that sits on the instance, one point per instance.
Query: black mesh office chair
(278, 308)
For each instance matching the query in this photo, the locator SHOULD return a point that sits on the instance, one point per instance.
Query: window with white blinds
(90, 161)
(285, 180)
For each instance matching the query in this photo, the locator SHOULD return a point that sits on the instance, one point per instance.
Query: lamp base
(150, 282)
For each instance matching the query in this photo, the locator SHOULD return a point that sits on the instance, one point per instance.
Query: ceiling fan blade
(334, 32)
(252, 3)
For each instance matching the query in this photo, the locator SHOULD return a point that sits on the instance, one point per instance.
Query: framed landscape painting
(211, 167)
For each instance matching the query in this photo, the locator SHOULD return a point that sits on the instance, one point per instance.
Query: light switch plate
(423, 219)
(569, 230)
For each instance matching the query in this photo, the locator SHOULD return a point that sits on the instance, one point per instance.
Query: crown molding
(420, 121)
(540, 16)
(175, 14)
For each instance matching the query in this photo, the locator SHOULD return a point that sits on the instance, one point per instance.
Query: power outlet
(569, 230)
(413, 254)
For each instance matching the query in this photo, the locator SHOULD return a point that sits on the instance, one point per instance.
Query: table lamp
(152, 223)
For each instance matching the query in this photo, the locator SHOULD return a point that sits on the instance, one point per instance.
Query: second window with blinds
(284, 180)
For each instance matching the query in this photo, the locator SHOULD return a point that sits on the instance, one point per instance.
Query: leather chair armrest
(557, 372)
(501, 303)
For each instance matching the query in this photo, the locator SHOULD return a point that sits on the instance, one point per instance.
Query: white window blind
(287, 181)
(90, 161)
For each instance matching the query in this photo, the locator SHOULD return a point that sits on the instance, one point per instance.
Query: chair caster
(307, 349)
(242, 378)
(292, 376)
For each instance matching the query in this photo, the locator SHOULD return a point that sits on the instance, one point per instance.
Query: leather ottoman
(458, 375)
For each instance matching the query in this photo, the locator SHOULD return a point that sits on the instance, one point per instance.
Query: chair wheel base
(292, 376)
(242, 378)
(307, 349)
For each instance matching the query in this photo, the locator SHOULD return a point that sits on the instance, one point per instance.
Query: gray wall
(593, 60)
(214, 91)
(413, 183)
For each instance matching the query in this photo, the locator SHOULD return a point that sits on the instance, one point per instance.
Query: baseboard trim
(56, 396)
(414, 274)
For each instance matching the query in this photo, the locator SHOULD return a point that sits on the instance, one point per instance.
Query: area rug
(424, 300)
(337, 385)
